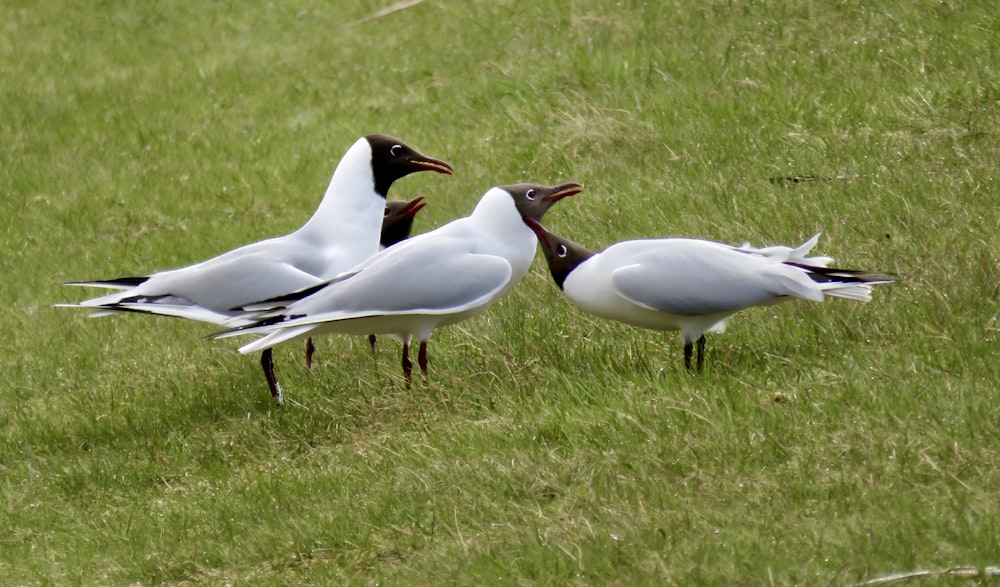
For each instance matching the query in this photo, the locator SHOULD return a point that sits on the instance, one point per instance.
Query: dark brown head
(562, 255)
(398, 220)
(533, 200)
(393, 159)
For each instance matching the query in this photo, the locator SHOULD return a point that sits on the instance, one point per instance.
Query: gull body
(434, 279)
(693, 285)
(397, 224)
(342, 232)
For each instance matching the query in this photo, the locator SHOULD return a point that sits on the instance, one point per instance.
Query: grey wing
(430, 279)
(231, 283)
(695, 283)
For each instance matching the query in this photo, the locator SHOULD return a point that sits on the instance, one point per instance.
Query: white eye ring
(530, 194)
(394, 150)
(562, 251)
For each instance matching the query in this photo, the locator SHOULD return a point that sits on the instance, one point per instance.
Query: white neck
(496, 215)
(351, 211)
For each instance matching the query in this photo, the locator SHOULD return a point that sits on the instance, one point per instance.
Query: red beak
(434, 165)
(538, 229)
(564, 191)
(415, 205)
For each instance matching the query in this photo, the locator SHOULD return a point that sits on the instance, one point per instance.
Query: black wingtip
(270, 321)
(285, 299)
(122, 282)
(834, 275)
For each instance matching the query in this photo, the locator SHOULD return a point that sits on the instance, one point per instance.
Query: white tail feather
(94, 314)
(785, 254)
(861, 292)
(274, 338)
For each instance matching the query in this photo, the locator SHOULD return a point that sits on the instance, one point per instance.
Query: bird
(397, 224)
(693, 285)
(342, 232)
(396, 227)
(434, 279)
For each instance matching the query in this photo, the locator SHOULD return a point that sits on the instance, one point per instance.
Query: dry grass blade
(386, 11)
(965, 571)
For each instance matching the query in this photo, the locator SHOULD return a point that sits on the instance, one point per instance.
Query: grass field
(825, 444)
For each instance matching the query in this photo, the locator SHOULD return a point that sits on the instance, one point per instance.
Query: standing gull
(396, 227)
(692, 285)
(342, 232)
(434, 279)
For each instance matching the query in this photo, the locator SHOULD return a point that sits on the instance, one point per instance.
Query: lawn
(825, 444)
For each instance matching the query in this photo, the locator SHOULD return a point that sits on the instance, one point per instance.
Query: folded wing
(698, 278)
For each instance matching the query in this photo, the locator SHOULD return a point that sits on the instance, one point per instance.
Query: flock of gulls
(354, 269)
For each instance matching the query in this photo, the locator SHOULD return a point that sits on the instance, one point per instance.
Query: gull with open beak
(434, 279)
(342, 232)
(693, 285)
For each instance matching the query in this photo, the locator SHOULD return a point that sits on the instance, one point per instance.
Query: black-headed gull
(693, 285)
(434, 279)
(396, 227)
(342, 232)
(398, 221)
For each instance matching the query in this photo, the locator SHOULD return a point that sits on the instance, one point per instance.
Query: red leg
(267, 363)
(407, 363)
(309, 352)
(422, 359)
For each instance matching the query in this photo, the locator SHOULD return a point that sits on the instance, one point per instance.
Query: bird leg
(689, 352)
(371, 340)
(407, 363)
(422, 359)
(309, 352)
(267, 362)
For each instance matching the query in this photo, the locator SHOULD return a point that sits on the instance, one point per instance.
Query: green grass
(824, 444)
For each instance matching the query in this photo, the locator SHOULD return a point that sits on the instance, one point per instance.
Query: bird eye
(385, 214)
(394, 150)
(530, 194)
(562, 251)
